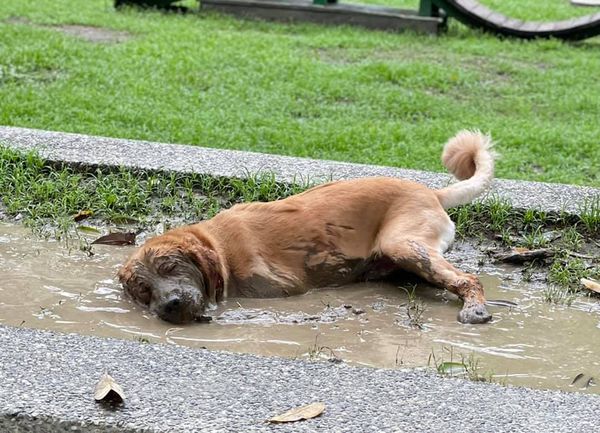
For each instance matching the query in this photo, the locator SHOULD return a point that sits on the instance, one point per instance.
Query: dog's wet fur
(333, 234)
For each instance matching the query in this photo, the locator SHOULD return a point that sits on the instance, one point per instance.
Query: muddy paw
(474, 314)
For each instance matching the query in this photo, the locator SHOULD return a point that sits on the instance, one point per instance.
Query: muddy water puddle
(44, 285)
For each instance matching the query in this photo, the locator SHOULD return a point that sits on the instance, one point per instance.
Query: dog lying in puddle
(333, 234)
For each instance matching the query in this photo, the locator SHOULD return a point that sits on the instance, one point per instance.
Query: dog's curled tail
(469, 157)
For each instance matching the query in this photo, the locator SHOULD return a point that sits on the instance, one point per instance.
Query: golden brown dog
(333, 234)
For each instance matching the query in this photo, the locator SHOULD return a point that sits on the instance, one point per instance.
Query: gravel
(48, 381)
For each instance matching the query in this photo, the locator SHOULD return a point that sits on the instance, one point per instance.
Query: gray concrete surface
(82, 149)
(48, 380)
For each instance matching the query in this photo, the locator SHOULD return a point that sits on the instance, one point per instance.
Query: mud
(45, 285)
(88, 33)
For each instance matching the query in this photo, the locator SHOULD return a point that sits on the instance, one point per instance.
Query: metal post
(428, 9)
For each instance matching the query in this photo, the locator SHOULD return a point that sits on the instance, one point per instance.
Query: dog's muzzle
(180, 309)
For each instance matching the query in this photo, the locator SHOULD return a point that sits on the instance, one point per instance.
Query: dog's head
(175, 275)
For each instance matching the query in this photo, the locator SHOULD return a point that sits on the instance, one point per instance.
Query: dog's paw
(474, 314)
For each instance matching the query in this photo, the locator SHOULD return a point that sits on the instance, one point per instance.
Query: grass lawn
(325, 92)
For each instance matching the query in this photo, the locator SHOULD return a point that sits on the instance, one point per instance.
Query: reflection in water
(43, 285)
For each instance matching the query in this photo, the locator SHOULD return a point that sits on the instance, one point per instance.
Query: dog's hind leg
(416, 256)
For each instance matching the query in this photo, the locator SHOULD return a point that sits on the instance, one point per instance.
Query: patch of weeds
(468, 219)
(467, 367)
(554, 294)
(564, 236)
(496, 218)
(572, 239)
(414, 309)
(535, 238)
(567, 271)
(500, 211)
(399, 359)
(590, 214)
(564, 278)
(264, 187)
(534, 218)
(316, 352)
(463, 220)
(47, 197)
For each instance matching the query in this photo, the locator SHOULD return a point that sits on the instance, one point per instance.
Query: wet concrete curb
(101, 151)
(48, 381)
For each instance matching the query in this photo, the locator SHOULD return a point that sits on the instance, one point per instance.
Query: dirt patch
(88, 33)
(94, 34)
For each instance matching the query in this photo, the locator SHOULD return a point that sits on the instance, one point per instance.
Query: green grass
(325, 92)
(496, 216)
(564, 277)
(566, 272)
(47, 197)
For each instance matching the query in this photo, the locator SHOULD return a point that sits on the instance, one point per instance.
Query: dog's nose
(172, 311)
(474, 314)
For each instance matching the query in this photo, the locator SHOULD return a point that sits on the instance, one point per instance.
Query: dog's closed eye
(166, 266)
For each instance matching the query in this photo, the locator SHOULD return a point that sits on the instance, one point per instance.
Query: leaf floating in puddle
(107, 390)
(81, 215)
(452, 368)
(116, 239)
(300, 413)
(592, 285)
(88, 229)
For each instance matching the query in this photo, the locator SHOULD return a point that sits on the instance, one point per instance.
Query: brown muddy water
(44, 285)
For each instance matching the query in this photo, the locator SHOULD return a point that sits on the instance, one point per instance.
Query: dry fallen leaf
(116, 239)
(300, 413)
(108, 390)
(584, 384)
(592, 285)
(579, 376)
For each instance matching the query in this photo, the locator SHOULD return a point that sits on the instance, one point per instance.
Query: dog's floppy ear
(207, 260)
(124, 273)
(132, 285)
